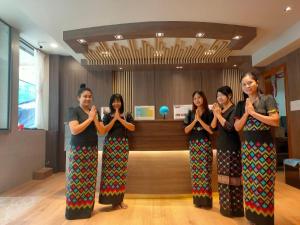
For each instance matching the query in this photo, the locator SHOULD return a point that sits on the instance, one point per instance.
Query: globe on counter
(163, 111)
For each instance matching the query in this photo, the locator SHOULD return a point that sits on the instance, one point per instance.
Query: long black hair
(117, 97)
(204, 104)
(83, 88)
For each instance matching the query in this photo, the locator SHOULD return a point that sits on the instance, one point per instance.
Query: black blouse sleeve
(210, 117)
(106, 118)
(271, 105)
(187, 119)
(73, 114)
(239, 110)
(229, 123)
(129, 118)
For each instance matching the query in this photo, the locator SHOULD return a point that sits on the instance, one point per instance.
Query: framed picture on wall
(180, 111)
(144, 112)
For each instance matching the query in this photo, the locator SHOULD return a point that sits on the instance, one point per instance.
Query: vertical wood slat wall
(232, 78)
(122, 84)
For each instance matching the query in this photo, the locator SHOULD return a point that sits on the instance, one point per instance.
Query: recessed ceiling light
(288, 8)
(119, 37)
(120, 68)
(179, 67)
(158, 53)
(81, 41)
(237, 37)
(105, 53)
(53, 45)
(200, 35)
(234, 65)
(159, 34)
(210, 52)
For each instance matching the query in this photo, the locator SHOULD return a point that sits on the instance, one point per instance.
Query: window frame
(9, 84)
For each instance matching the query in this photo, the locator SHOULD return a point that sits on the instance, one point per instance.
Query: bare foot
(123, 205)
(115, 207)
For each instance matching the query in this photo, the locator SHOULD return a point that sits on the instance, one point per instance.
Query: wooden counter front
(158, 135)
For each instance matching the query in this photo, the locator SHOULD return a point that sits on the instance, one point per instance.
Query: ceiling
(44, 20)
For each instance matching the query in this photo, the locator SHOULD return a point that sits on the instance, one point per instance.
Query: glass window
(27, 87)
(4, 75)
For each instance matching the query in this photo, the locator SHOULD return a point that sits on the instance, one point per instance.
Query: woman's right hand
(197, 116)
(92, 113)
(117, 114)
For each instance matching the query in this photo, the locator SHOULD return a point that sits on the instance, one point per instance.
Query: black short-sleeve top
(265, 105)
(89, 135)
(118, 130)
(198, 131)
(228, 138)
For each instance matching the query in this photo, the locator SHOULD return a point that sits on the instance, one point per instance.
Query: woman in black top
(197, 124)
(255, 115)
(84, 122)
(115, 154)
(229, 155)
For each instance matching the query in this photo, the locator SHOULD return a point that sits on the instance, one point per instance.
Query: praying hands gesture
(249, 109)
(216, 109)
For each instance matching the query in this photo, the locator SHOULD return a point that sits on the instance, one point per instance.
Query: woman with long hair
(197, 124)
(115, 153)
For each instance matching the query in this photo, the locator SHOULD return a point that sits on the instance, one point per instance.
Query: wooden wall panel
(122, 84)
(185, 83)
(211, 81)
(232, 78)
(143, 88)
(164, 92)
(292, 62)
(52, 134)
(101, 84)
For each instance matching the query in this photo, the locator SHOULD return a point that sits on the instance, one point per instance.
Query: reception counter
(157, 135)
(158, 159)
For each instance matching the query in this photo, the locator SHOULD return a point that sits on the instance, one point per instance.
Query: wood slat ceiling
(141, 49)
(153, 51)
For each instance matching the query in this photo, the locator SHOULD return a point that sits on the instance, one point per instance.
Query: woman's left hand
(249, 107)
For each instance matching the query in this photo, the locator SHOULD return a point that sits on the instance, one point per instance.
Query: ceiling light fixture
(105, 53)
(158, 53)
(287, 9)
(119, 37)
(200, 35)
(237, 37)
(53, 45)
(210, 52)
(179, 67)
(159, 34)
(81, 41)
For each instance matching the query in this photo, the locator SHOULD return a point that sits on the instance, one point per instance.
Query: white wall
(21, 152)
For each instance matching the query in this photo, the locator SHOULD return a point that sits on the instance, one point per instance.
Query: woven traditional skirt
(259, 168)
(81, 181)
(201, 167)
(229, 183)
(114, 170)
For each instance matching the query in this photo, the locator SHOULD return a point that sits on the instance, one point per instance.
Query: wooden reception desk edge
(158, 135)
